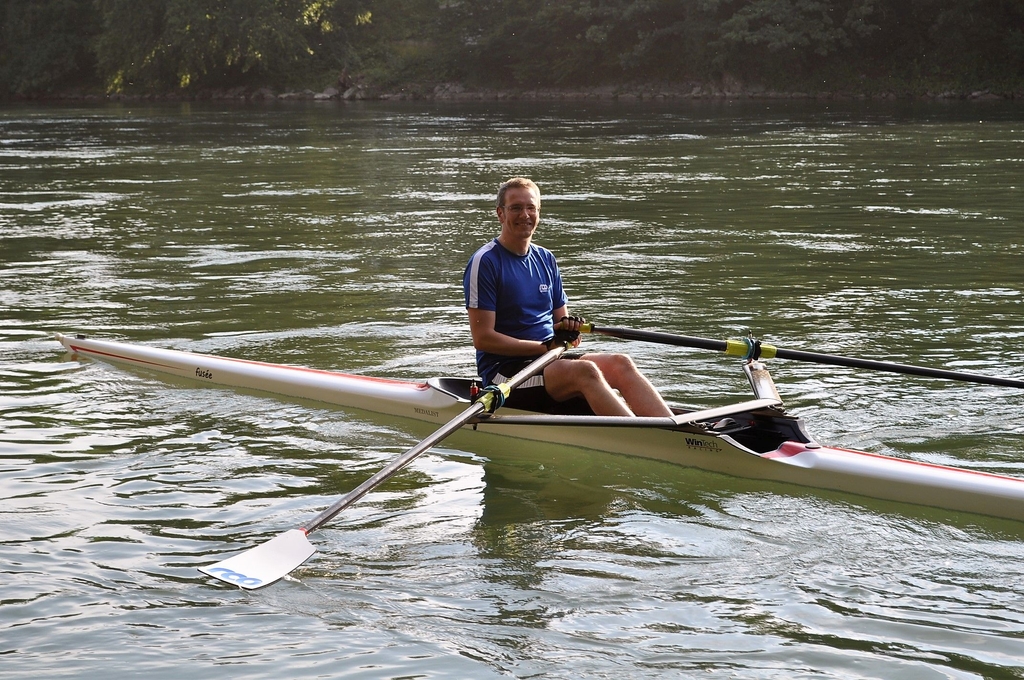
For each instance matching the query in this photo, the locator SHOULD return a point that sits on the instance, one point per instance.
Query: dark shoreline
(459, 93)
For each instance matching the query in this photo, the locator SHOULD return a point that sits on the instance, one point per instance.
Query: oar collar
(750, 348)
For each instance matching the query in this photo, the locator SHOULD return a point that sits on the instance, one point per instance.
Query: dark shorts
(533, 396)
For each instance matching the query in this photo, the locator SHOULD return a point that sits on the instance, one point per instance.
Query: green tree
(568, 42)
(812, 27)
(968, 42)
(389, 41)
(794, 38)
(193, 44)
(44, 45)
(140, 61)
(672, 40)
(574, 42)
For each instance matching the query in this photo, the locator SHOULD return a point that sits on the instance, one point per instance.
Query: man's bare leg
(622, 374)
(596, 377)
(577, 378)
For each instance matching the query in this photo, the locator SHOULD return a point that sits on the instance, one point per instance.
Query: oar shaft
(740, 348)
(658, 337)
(397, 464)
(389, 471)
(907, 369)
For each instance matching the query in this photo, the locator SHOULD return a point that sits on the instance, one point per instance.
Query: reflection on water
(335, 237)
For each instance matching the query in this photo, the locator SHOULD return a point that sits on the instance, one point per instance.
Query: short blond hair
(516, 183)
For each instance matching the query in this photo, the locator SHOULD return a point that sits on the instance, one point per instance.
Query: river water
(335, 235)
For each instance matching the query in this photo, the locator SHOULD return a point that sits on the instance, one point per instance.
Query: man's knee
(615, 366)
(583, 371)
(564, 378)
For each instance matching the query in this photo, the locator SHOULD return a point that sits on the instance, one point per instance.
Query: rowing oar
(276, 558)
(750, 348)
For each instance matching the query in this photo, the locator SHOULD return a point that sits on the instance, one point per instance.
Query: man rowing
(515, 300)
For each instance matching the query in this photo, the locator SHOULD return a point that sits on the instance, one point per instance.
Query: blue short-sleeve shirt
(522, 291)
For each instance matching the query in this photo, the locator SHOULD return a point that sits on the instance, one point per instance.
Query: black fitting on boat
(496, 401)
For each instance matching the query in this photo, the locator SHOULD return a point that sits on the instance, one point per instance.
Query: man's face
(521, 213)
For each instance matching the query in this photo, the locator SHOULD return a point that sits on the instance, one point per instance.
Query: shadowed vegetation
(188, 46)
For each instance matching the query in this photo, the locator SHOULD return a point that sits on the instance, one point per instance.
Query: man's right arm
(486, 339)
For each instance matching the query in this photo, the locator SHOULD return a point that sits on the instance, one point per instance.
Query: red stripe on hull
(83, 350)
(790, 449)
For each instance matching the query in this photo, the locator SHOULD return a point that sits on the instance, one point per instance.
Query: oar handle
(655, 336)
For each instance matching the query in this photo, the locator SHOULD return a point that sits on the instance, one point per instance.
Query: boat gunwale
(81, 349)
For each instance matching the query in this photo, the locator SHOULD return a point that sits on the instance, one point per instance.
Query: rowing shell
(753, 439)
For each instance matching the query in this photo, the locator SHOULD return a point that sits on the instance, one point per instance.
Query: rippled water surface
(335, 237)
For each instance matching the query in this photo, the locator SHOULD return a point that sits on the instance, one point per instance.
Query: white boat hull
(793, 459)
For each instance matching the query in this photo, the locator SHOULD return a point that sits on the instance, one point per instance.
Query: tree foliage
(558, 42)
(44, 45)
(192, 45)
(213, 43)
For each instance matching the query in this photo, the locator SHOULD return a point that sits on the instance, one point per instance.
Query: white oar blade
(264, 564)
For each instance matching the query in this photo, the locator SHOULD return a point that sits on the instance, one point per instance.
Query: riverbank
(632, 92)
(457, 92)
